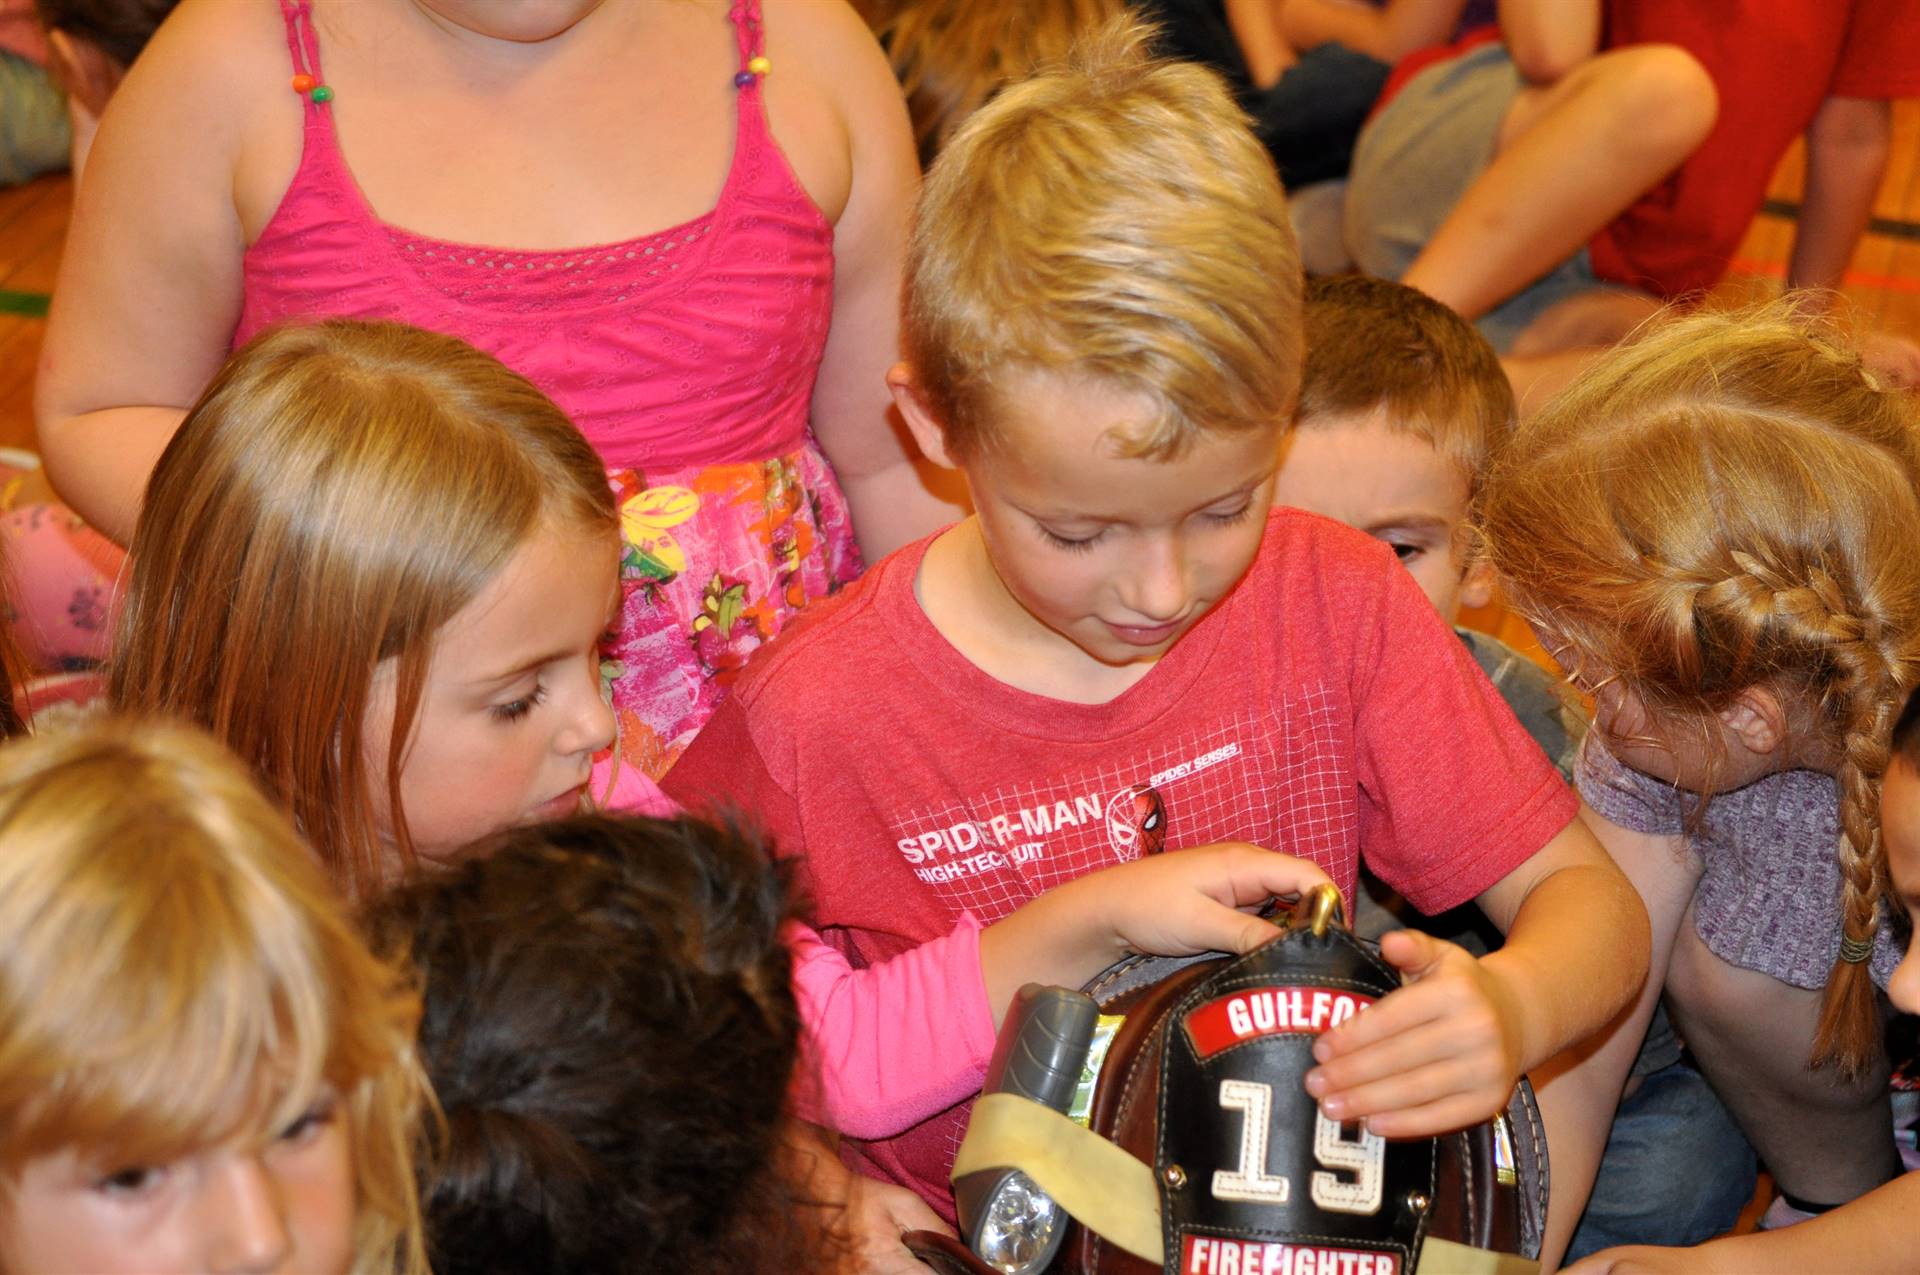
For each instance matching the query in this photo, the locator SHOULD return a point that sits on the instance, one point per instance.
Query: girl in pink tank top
(695, 358)
(686, 356)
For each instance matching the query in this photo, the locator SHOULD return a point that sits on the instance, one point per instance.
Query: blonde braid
(1867, 680)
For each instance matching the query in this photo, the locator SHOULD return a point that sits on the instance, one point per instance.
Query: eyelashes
(309, 1122)
(135, 1180)
(1073, 546)
(1085, 544)
(514, 710)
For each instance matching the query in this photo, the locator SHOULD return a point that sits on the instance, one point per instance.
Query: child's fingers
(1404, 1090)
(914, 1215)
(1251, 875)
(1452, 996)
(1223, 929)
(1402, 1051)
(1400, 1095)
(879, 1214)
(1457, 1111)
(1398, 1058)
(1414, 954)
(1401, 1011)
(1196, 923)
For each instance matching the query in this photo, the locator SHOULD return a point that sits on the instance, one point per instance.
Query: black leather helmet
(1202, 1153)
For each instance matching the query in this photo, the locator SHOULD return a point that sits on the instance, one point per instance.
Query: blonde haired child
(201, 1067)
(378, 566)
(1200, 197)
(1121, 652)
(1715, 531)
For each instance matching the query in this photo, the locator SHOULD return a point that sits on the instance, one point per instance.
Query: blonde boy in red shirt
(1124, 651)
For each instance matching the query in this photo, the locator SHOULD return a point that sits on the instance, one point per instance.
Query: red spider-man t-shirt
(1322, 709)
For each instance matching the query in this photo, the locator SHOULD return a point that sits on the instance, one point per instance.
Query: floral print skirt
(714, 563)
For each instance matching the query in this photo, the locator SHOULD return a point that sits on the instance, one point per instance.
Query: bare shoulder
(817, 49)
(837, 53)
(216, 54)
(205, 105)
(852, 98)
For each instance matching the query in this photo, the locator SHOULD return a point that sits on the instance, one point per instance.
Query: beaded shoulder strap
(745, 16)
(304, 46)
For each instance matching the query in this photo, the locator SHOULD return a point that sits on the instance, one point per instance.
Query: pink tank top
(693, 346)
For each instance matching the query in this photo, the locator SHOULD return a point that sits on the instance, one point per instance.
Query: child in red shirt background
(1532, 187)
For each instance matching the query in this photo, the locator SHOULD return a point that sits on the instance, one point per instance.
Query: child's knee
(1665, 97)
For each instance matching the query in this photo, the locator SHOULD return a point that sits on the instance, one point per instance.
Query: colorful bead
(759, 65)
(743, 79)
(321, 93)
(301, 83)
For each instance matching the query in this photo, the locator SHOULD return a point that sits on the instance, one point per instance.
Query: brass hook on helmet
(1317, 909)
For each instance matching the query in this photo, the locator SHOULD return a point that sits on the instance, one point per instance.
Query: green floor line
(32, 304)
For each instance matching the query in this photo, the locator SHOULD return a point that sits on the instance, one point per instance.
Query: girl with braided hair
(1715, 532)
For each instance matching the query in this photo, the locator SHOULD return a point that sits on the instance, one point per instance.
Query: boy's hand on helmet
(1186, 902)
(1441, 1053)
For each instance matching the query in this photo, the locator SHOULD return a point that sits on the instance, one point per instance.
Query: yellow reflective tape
(1444, 1257)
(1105, 1189)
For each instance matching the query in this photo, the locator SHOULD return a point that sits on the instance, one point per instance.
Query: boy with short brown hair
(1403, 409)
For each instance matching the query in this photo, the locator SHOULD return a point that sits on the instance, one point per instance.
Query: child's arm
(150, 283)
(887, 1046)
(1579, 1091)
(852, 408)
(1548, 38)
(892, 1044)
(1445, 1051)
(1872, 1234)
(1256, 29)
(1388, 32)
(1847, 146)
